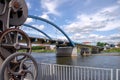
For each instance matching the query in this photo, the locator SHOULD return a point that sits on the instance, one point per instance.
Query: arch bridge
(63, 47)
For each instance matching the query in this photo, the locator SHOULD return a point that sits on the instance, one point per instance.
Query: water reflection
(90, 61)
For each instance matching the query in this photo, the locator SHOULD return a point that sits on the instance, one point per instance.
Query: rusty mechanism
(13, 63)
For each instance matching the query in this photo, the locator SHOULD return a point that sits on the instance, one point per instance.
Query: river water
(88, 61)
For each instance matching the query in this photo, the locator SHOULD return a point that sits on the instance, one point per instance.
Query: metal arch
(37, 30)
(45, 20)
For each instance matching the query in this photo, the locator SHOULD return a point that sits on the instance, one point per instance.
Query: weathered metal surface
(9, 39)
(13, 14)
(18, 69)
(19, 12)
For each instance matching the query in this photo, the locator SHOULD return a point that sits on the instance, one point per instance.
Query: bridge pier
(66, 51)
(95, 50)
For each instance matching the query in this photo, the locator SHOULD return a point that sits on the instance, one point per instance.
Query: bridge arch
(45, 20)
(27, 25)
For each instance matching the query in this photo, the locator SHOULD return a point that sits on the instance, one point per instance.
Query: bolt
(16, 5)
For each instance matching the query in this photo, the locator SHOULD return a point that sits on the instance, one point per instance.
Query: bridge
(13, 63)
(64, 47)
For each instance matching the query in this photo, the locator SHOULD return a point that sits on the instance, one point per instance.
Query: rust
(16, 4)
(13, 64)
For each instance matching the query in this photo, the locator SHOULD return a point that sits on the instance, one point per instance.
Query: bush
(112, 50)
(38, 47)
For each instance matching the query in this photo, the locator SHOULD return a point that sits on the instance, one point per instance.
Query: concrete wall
(66, 51)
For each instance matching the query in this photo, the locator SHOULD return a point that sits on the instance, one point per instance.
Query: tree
(101, 44)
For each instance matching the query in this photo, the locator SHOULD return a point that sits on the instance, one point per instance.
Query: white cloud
(115, 36)
(29, 5)
(50, 6)
(33, 32)
(78, 36)
(110, 26)
(62, 38)
(103, 20)
(29, 20)
(41, 27)
(96, 38)
(45, 16)
(88, 38)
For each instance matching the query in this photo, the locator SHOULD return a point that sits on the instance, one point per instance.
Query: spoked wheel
(14, 40)
(19, 69)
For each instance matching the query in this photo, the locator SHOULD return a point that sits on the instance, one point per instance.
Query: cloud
(50, 6)
(29, 20)
(103, 20)
(115, 36)
(40, 27)
(32, 32)
(111, 25)
(88, 38)
(29, 5)
(96, 38)
(78, 36)
(45, 16)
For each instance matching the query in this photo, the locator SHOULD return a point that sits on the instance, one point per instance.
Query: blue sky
(82, 20)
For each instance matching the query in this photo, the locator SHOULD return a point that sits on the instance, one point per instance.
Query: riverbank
(107, 54)
(112, 50)
(43, 51)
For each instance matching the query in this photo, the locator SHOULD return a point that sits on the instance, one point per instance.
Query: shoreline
(106, 54)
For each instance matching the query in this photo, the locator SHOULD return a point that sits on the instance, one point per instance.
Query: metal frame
(12, 62)
(118, 74)
(45, 20)
(69, 72)
(27, 25)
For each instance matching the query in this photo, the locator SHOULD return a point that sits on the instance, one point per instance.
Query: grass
(39, 49)
(43, 51)
(112, 50)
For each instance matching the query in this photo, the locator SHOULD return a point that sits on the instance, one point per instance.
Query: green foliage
(38, 47)
(112, 50)
(41, 49)
(44, 51)
(101, 44)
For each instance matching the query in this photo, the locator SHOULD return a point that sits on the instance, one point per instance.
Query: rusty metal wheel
(25, 69)
(14, 40)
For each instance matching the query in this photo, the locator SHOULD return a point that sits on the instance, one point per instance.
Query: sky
(82, 20)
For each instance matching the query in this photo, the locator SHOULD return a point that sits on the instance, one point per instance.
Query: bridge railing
(66, 72)
(118, 74)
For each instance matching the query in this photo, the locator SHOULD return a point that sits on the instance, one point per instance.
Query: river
(88, 61)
